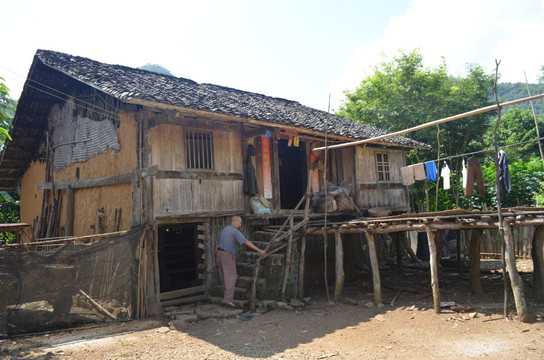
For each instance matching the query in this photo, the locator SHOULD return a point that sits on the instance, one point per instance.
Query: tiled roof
(127, 83)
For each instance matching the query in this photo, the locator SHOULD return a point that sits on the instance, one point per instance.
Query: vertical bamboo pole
(515, 280)
(375, 268)
(287, 263)
(431, 236)
(339, 263)
(302, 258)
(474, 257)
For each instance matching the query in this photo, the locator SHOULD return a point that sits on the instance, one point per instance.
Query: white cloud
(463, 32)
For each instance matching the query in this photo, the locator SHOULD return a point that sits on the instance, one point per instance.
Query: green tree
(9, 201)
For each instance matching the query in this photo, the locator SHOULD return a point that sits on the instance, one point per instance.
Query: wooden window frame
(383, 167)
(199, 149)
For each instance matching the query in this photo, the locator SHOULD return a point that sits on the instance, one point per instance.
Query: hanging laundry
(505, 184)
(419, 171)
(474, 171)
(464, 172)
(445, 173)
(407, 175)
(432, 171)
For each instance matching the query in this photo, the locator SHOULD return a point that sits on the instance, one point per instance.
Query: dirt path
(351, 329)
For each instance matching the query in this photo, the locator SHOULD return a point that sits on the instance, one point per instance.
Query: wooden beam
(474, 256)
(181, 293)
(197, 175)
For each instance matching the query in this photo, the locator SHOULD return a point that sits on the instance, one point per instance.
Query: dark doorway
(293, 174)
(178, 257)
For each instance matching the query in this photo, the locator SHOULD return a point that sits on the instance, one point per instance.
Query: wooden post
(537, 254)
(339, 263)
(474, 257)
(515, 280)
(375, 268)
(431, 236)
(69, 223)
(287, 263)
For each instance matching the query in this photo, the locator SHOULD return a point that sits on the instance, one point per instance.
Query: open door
(178, 256)
(293, 173)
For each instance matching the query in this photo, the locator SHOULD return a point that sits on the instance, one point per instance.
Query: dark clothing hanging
(250, 179)
(505, 185)
(474, 170)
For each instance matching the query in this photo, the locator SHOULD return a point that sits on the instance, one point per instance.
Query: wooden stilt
(431, 236)
(515, 280)
(474, 257)
(375, 268)
(537, 254)
(339, 251)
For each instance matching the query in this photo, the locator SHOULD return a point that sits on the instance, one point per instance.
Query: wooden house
(99, 148)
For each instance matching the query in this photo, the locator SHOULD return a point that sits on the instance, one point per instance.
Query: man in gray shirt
(229, 239)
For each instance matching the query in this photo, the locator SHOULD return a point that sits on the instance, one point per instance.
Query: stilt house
(100, 148)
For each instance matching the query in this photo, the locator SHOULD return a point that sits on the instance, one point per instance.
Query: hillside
(514, 91)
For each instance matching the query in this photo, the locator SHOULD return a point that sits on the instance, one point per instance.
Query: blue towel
(432, 171)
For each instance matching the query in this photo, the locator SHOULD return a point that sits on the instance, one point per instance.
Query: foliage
(7, 110)
(403, 93)
(514, 91)
(9, 213)
(517, 127)
(526, 176)
(156, 68)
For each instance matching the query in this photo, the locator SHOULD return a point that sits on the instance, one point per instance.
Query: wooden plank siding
(177, 196)
(374, 193)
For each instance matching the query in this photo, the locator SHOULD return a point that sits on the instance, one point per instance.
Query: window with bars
(199, 146)
(382, 163)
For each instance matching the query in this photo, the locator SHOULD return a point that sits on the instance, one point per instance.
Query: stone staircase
(270, 278)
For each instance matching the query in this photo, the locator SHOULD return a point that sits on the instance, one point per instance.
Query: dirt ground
(351, 328)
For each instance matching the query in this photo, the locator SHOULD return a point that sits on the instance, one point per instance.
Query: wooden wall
(185, 196)
(374, 193)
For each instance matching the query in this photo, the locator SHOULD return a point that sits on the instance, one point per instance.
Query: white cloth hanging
(464, 171)
(445, 173)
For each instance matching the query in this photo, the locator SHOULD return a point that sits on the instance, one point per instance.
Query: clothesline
(482, 151)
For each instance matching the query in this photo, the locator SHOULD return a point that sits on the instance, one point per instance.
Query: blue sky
(298, 50)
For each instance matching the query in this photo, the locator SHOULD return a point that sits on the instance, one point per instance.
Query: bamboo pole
(537, 253)
(375, 268)
(535, 120)
(287, 263)
(432, 123)
(431, 236)
(253, 294)
(339, 265)
(302, 258)
(515, 280)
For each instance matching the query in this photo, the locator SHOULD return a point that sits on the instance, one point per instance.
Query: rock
(307, 300)
(188, 318)
(368, 304)
(350, 301)
(296, 303)
(178, 325)
(284, 306)
(473, 315)
(209, 311)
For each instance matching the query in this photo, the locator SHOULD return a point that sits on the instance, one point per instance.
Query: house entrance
(293, 173)
(179, 256)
